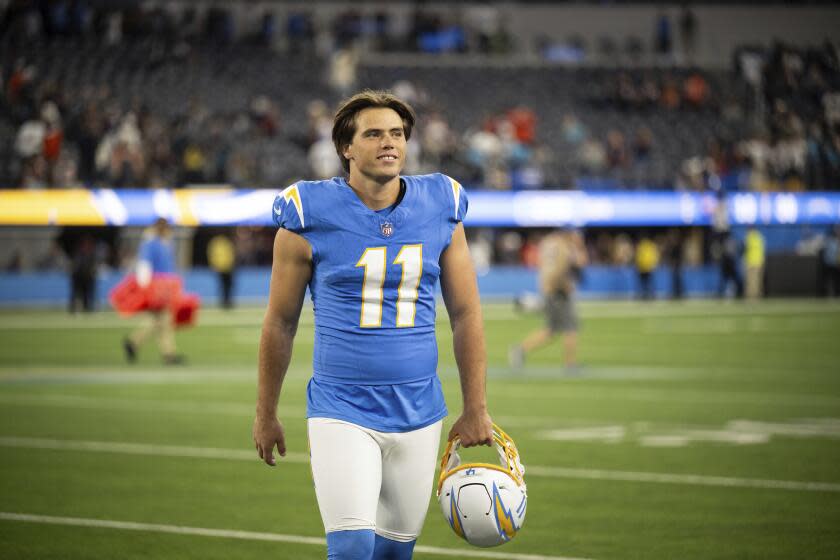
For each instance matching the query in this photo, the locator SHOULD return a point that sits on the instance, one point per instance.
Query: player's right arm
(290, 273)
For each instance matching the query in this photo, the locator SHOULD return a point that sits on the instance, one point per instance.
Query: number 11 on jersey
(374, 260)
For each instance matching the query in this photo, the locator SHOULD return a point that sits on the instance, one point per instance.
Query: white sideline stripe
(532, 470)
(247, 535)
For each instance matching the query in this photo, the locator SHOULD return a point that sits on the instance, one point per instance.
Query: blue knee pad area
(350, 545)
(386, 549)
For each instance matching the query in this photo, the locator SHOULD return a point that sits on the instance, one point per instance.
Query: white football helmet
(484, 504)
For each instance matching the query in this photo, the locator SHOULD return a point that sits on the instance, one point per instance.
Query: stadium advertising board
(487, 209)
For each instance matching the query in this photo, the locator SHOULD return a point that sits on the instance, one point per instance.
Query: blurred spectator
(730, 250)
(592, 156)
(485, 20)
(663, 40)
(323, 161)
(83, 262)
(508, 248)
(573, 131)
(341, 76)
(688, 32)
(300, 32)
(266, 115)
(649, 92)
(696, 91)
(484, 149)
(119, 156)
(221, 255)
(617, 156)
(642, 144)
(29, 145)
(53, 138)
(524, 122)
(647, 259)
(830, 263)
(15, 262)
(675, 262)
(268, 30)
(670, 95)
(754, 263)
(438, 140)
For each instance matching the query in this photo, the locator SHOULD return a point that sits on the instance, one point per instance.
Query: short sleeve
(288, 210)
(460, 202)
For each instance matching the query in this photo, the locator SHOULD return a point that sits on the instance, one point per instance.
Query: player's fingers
(266, 454)
(281, 447)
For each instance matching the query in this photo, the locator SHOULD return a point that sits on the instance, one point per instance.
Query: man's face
(378, 147)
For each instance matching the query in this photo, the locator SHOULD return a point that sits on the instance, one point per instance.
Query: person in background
(730, 249)
(562, 257)
(156, 256)
(83, 275)
(647, 259)
(221, 255)
(675, 260)
(830, 264)
(754, 263)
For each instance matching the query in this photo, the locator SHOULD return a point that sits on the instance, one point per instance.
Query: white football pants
(365, 479)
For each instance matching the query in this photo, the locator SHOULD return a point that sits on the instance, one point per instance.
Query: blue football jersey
(159, 253)
(373, 290)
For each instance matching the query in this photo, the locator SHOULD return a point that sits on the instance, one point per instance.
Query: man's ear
(346, 151)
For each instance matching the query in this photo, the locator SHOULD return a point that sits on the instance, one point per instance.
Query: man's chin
(383, 176)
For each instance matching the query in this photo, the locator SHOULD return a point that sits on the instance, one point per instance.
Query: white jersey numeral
(411, 259)
(374, 260)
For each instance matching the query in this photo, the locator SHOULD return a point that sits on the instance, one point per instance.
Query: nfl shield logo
(387, 229)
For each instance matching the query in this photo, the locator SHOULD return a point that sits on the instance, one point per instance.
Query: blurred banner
(191, 207)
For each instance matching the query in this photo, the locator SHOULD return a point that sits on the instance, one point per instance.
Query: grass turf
(747, 393)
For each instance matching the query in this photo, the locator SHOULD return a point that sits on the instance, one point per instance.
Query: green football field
(694, 430)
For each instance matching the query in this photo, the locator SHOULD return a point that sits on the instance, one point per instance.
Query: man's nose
(387, 141)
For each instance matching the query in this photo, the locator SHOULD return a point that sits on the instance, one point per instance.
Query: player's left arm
(460, 295)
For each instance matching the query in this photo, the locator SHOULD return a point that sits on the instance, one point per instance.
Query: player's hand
(268, 433)
(474, 428)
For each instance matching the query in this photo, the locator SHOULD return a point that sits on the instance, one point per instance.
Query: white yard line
(247, 535)
(152, 450)
(531, 470)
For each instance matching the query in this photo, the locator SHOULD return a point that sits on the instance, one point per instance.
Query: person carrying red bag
(158, 290)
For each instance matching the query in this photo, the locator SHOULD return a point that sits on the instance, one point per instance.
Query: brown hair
(344, 124)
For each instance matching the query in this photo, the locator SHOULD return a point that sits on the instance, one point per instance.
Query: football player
(371, 247)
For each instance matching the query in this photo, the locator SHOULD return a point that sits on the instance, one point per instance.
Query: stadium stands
(208, 109)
